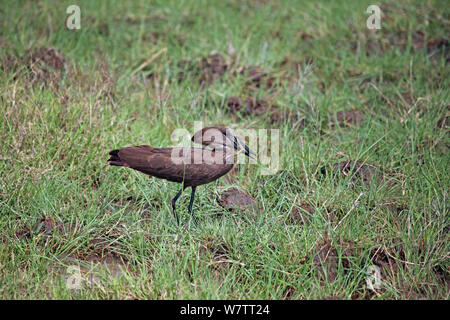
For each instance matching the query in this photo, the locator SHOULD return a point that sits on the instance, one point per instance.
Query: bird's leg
(173, 205)
(192, 200)
(191, 203)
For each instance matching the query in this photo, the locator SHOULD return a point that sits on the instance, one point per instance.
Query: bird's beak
(249, 153)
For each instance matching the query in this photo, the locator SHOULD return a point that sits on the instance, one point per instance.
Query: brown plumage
(190, 166)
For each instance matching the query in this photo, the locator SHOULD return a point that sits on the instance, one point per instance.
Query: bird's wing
(153, 161)
(173, 164)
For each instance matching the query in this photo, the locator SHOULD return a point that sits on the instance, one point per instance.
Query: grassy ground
(376, 100)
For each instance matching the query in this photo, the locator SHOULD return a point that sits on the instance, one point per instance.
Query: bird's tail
(114, 160)
(134, 157)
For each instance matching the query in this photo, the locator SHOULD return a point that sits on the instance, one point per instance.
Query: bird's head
(220, 137)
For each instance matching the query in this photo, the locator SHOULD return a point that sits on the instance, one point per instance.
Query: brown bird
(189, 166)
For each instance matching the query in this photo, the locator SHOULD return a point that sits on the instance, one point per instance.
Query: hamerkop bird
(189, 166)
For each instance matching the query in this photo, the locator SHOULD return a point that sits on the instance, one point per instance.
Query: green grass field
(364, 137)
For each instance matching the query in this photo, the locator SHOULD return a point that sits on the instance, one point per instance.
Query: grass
(131, 76)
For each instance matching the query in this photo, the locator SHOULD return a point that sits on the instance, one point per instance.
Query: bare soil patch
(45, 225)
(302, 213)
(328, 261)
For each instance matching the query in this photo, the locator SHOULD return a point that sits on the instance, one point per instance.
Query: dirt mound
(42, 65)
(442, 274)
(302, 214)
(207, 70)
(359, 170)
(398, 40)
(233, 199)
(212, 67)
(328, 261)
(249, 106)
(49, 225)
(256, 79)
(253, 107)
(388, 259)
(45, 225)
(45, 65)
